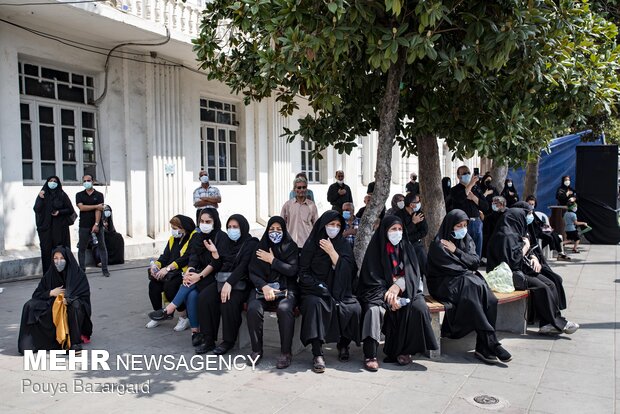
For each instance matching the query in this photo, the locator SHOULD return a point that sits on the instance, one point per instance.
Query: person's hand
(448, 245)
(64, 300)
(569, 192)
(327, 246)
(396, 305)
(486, 193)
(269, 292)
(210, 246)
(100, 207)
(225, 294)
(535, 264)
(57, 291)
(42, 194)
(162, 273)
(526, 243)
(154, 270)
(391, 295)
(55, 213)
(342, 191)
(94, 229)
(417, 218)
(190, 278)
(471, 196)
(266, 257)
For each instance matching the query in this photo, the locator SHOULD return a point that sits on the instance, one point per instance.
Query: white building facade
(145, 126)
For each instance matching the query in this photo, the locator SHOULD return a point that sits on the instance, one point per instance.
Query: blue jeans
(189, 296)
(474, 229)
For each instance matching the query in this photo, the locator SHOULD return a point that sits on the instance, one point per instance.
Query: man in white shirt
(205, 195)
(300, 213)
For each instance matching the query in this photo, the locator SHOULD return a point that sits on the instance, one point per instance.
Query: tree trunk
(430, 182)
(531, 178)
(499, 173)
(388, 114)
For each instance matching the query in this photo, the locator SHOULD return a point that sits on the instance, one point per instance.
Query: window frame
(313, 174)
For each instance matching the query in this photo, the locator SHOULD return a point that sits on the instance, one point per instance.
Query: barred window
(310, 165)
(218, 140)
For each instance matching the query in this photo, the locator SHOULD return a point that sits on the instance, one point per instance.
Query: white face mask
(204, 179)
(509, 185)
(176, 233)
(417, 207)
(567, 183)
(332, 231)
(400, 205)
(107, 214)
(395, 236)
(340, 181)
(206, 228)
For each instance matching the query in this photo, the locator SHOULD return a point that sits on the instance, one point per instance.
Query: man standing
(300, 213)
(413, 186)
(415, 226)
(467, 196)
(352, 223)
(90, 203)
(205, 195)
(339, 193)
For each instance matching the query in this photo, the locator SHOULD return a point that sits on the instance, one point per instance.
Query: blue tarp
(559, 161)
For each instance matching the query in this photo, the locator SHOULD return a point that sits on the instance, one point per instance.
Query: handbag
(500, 279)
(222, 277)
(279, 294)
(71, 219)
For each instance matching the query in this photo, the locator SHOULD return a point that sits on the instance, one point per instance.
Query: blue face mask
(52, 185)
(494, 207)
(460, 233)
(234, 234)
(417, 207)
(88, 185)
(346, 215)
(466, 178)
(529, 219)
(275, 236)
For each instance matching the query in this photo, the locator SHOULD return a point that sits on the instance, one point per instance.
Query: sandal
(343, 354)
(371, 364)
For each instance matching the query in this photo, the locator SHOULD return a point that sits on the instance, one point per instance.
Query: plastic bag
(500, 279)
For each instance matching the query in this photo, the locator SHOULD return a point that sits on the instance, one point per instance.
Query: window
(58, 131)
(309, 165)
(218, 140)
(360, 159)
(408, 165)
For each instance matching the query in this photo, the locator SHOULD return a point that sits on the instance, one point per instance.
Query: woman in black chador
(390, 274)
(53, 210)
(453, 278)
(326, 279)
(37, 330)
(273, 271)
(510, 243)
(510, 193)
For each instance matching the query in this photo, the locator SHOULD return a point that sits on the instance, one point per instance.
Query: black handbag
(279, 294)
(222, 277)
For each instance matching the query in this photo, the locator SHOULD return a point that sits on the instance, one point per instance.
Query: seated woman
(64, 277)
(453, 278)
(510, 244)
(204, 263)
(166, 274)
(227, 298)
(273, 271)
(541, 230)
(390, 277)
(326, 278)
(114, 243)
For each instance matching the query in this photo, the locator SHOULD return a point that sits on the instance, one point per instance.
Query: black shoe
(204, 348)
(106, 273)
(198, 339)
(343, 354)
(486, 356)
(160, 315)
(222, 349)
(77, 348)
(502, 354)
(255, 356)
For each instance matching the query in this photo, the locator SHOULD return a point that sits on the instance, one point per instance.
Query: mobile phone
(476, 171)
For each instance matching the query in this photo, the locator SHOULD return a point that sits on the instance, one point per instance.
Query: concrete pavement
(567, 374)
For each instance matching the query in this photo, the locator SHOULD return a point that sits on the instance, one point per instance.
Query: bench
(510, 315)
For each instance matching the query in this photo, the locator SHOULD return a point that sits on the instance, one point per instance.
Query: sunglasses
(301, 188)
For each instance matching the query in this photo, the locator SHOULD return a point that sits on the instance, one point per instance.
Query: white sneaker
(571, 327)
(152, 324)
(549, 330)
(182, 324)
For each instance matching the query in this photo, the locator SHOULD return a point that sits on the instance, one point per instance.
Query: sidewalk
(569, 374)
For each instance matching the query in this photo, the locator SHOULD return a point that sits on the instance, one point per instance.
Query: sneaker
(570, 327)
(549, 330)
(486, 357)
(502, 354)
(182, 324)
(152, 324)
(160, 315)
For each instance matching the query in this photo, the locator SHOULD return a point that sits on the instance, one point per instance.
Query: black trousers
(209, 312)
(170, 287)
(231, 316)
(420, 253)
(545, 297)
(286, 320)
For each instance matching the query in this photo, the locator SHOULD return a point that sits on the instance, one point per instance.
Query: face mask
(449, 183)
(488, 183)
(567, 183)
(60, 265)
(275, 236)
(574, 209)
(88, 185)
(395, 237)
(234, 234)
(204, 179)
(176, 233)
(107, 213)
(417, 207)
(466, 178)
(414, 178)
(332, 231)
(400, 205)
(529, 219)
(340, 181)
(206, 228)
(52, 185)
(509, 184)
(346, 215)
(460, 233)
(494, 207)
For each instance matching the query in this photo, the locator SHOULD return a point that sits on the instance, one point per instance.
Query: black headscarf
(285, 251)
(187, 224)
(376, 273)
(446, 186)
(510, 200)
(317, 264)
(237, 254)
(235, 246)
(441, 262)
(110, 220)
(506, 243)
(217, 223)
(54, 200)
(484, 181)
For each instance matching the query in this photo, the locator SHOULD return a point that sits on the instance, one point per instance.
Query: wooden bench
(510, 315)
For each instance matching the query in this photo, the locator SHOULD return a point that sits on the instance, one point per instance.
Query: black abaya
(330, 311)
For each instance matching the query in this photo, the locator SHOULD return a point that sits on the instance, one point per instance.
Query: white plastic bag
(500, 279)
